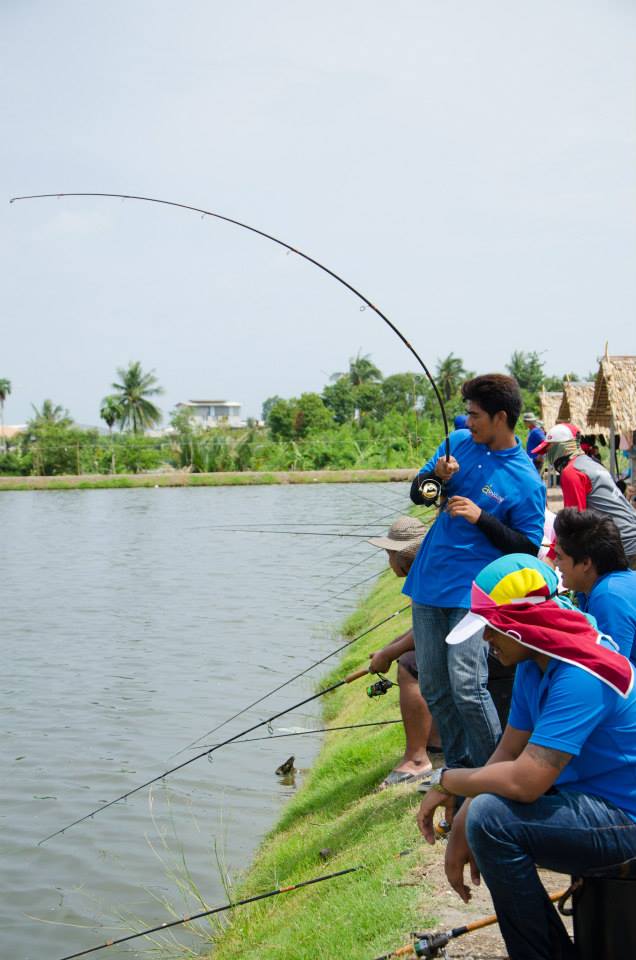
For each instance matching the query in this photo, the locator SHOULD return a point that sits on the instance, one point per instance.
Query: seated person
(590, 555)
(559, 790)
(401, 544)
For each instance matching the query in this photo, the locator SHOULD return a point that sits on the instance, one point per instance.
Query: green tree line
(360, 420)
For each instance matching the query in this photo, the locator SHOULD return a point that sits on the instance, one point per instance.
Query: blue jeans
(453, 682)
(564, 831)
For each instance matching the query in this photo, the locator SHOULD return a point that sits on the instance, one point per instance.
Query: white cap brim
(467, 627)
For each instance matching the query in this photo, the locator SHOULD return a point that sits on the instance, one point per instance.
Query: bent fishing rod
(281, 243)
(432, 945)
(207, 913)
(375, 690)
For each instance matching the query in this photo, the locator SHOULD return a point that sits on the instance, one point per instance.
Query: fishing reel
(380, 687)
(442, 829)
(430, 491)
(431, 944)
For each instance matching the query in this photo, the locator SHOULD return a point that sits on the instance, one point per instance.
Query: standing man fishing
(493, 503)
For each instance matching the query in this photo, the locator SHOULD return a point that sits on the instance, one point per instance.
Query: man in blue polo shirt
(589, 553)
(493, 503)
(560, 789)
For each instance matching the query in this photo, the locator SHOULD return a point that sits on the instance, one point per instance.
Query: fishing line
(213, 910)
(302, 733)
(296, 676)
(296, 533)
(352, 586)
(129, 793)
(281, 243)
(297, 523)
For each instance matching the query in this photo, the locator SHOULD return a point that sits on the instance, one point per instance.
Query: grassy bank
(364, 914)
(181, 478)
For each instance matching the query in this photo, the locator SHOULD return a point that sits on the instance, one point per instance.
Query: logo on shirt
(488, 490)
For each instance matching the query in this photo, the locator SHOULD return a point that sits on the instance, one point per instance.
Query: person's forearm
(401, 644)
(502, 778)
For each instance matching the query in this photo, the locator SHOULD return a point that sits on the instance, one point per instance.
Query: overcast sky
(470, 165)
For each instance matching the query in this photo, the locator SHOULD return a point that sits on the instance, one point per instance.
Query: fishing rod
(434, 944)
(378, 691)
(207, 913)
(296, 676)
(286, 246)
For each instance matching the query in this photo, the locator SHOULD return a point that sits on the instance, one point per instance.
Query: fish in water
(286, 767)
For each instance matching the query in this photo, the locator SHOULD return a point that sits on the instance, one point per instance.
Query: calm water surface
(131, 624)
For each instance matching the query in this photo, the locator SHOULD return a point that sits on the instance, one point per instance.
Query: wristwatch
(435, 783)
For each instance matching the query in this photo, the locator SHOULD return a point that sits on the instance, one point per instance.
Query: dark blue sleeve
(527, 516)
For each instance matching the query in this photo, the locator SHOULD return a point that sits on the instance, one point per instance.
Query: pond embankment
(184, 478)
(337, 820)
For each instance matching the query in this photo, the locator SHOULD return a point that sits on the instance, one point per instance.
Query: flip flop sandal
(397, 777)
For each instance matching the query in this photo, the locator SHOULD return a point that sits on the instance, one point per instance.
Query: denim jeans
(453, 682)
(564, 831)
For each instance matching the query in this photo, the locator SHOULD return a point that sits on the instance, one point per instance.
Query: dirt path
(485, 944)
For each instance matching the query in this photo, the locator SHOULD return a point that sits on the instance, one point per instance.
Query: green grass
(366, 913)
(181, 479)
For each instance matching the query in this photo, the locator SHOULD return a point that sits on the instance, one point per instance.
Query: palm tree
(137, 412)
(450, 373)
(51, 412)
(110, 411)
(5, 390)
(527, 369)
(361, 370)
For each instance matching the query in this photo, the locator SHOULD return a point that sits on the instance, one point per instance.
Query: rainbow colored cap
(512, 579)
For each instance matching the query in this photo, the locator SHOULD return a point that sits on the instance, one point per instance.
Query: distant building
(10, 433)
(214, 413)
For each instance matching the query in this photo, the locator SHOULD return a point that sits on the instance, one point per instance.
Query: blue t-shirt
(569, 709)
(501, 482)
(612, 601)
(535, 437)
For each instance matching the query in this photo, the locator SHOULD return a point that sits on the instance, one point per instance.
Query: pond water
(132, 624)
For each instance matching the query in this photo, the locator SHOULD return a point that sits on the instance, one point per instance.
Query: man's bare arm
(524, 779)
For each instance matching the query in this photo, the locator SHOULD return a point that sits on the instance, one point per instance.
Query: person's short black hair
(495, 392)
(583, 533)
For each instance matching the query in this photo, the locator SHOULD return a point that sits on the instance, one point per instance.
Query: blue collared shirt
(612, 601)
(569, 709)
(501, 482)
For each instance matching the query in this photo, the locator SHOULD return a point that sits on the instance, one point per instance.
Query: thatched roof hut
(549, 401)
(575, 406)
(614, 400)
